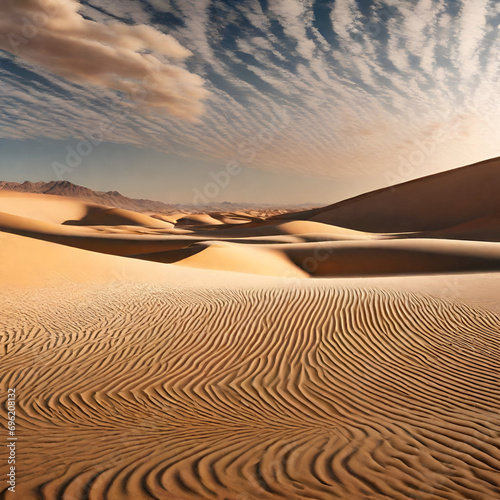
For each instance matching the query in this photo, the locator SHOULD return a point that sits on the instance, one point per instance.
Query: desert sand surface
(325, 354)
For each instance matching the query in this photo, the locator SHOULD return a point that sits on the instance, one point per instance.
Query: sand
(272, 358)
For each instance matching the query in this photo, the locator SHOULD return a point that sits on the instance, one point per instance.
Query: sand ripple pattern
(148, 392)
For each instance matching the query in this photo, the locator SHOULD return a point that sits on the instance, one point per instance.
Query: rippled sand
(176, 392)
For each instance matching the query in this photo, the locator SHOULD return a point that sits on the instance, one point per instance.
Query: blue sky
(314, 100)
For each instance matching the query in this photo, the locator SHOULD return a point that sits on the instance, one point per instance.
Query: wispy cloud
(473, 29)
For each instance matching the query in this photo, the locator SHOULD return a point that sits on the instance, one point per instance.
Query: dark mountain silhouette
(110, 198)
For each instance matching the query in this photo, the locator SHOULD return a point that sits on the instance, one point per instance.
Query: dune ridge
(273, 247)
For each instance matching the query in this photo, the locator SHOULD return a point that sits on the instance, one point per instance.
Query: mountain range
(117, 200)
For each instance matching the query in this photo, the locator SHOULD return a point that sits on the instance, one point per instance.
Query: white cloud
(293, 16)
(52, 34)
(344, 17)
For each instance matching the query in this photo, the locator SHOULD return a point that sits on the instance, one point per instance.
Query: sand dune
(197, 220)
(29, 262)
(293, 248)
(305, 230)
(45, 208)
(243, 258)
(429, 203)
(122, 240)
(396, 257)
(87, 238)
(190, 356)
(482, 229)
(118, 217)
(71, 211)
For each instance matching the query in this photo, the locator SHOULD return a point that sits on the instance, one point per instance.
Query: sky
(257, 101)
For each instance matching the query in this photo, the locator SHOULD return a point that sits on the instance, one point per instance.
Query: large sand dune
(338, 353)
(430, 203)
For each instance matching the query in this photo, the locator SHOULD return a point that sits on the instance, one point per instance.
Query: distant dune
(349, 352)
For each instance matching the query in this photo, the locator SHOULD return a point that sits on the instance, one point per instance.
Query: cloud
(292, 15)
(134, 60)
(361, 83)
(472, 32)
(344, 19)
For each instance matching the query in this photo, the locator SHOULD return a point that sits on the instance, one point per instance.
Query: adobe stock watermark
(30, 26)
(84, 148)
(92, 139)
(408, 164)
(247, 151)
